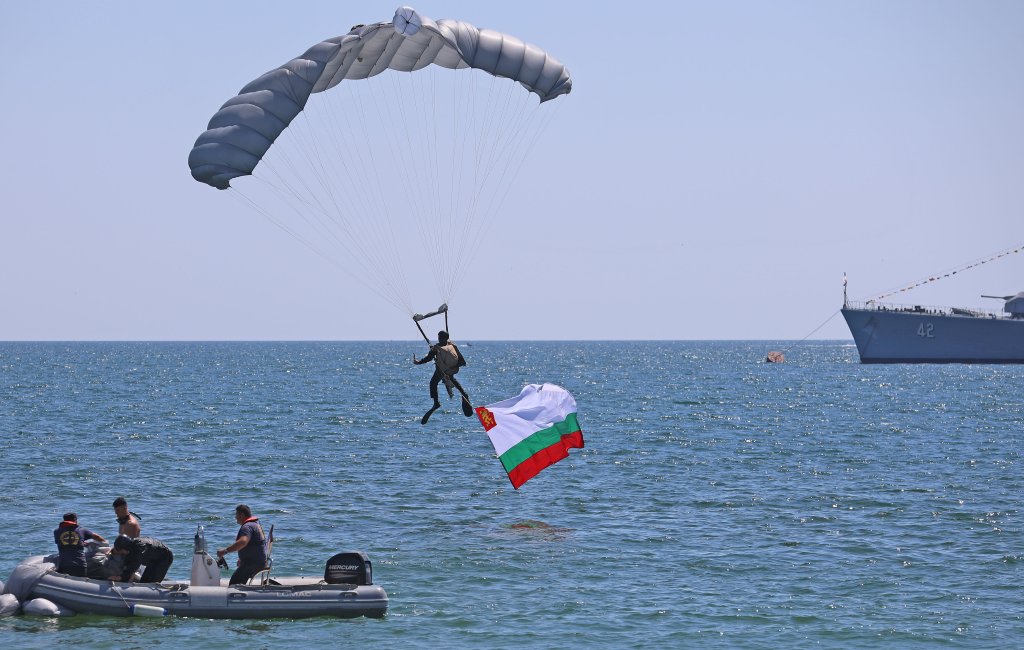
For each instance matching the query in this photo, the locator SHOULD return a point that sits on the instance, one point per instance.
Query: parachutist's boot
(467, 408)
(426, 416)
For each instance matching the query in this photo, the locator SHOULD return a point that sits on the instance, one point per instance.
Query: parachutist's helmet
(122, 542)
(442, 337)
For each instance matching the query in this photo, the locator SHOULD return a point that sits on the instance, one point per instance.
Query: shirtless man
(127, 522)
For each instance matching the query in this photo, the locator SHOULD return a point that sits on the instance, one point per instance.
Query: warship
(887, 333)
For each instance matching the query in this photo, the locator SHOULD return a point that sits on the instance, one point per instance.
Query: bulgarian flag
(533, 430)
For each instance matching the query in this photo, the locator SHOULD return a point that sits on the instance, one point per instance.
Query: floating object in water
(148, 610)
(775, 357)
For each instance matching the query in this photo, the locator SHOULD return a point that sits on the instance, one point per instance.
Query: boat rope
(113, 587)
(796, 343)
(942, 276)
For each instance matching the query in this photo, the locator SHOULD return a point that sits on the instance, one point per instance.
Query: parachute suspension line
(449, 218)
(490, 124)
(474, 130)
(294, 201)
(383, 228)
(240, 196)
(246, 200)
(469, 87)
(487, 143)
(332, 216)
(342, 148)
(435, 182)
(283, 154)
(464, 110)
(463, 102)
(360, 223)
(951, 272)
(309, 243)
(342, 199)
(408, 175)
(459, 136)
(416, 123)
(443, 215)
(518, 160)
(431, 196)
(514, 120)
(522, 148)
(369, 257)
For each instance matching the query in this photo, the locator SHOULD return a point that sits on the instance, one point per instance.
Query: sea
(719, 502)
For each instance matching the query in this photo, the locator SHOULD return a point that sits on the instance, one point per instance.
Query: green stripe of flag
(541, 440)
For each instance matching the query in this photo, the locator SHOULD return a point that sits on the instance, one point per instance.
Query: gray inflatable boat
(346, 590)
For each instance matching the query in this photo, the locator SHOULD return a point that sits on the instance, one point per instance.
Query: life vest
(255, 552)
(446, 358)
(69, 537)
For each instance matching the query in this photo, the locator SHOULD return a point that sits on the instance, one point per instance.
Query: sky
(715, 171)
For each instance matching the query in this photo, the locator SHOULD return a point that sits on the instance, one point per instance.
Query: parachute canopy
(403, 167)
(242, 131)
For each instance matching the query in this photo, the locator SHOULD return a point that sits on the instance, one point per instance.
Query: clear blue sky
(715, 171)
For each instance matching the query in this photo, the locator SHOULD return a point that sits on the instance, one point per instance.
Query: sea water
(720, 501)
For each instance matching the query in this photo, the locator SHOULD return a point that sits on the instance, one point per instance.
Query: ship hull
(908, 336)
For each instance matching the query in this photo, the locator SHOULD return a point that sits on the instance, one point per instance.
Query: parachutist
(447, 360)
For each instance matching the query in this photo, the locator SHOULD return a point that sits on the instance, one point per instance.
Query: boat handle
(348, 594)
(236, 597)
(177, 595)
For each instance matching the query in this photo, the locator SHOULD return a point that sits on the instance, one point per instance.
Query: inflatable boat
(346, 590)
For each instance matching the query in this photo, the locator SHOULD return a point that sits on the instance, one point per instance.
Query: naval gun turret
(1014, 305)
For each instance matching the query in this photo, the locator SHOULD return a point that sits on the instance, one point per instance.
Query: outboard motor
(205, 572)
(349, 567)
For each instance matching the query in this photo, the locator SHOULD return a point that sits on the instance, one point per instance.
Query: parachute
(402, 166)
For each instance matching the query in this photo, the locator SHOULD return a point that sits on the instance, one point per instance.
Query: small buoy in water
(148, 610)
(775, 357)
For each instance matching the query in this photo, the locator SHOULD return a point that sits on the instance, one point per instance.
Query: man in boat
(127, 521)
(447, 360)
(70, 539)
(140, 551)
(251, 544)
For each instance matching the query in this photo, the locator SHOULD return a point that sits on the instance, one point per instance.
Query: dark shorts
(244, 573)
